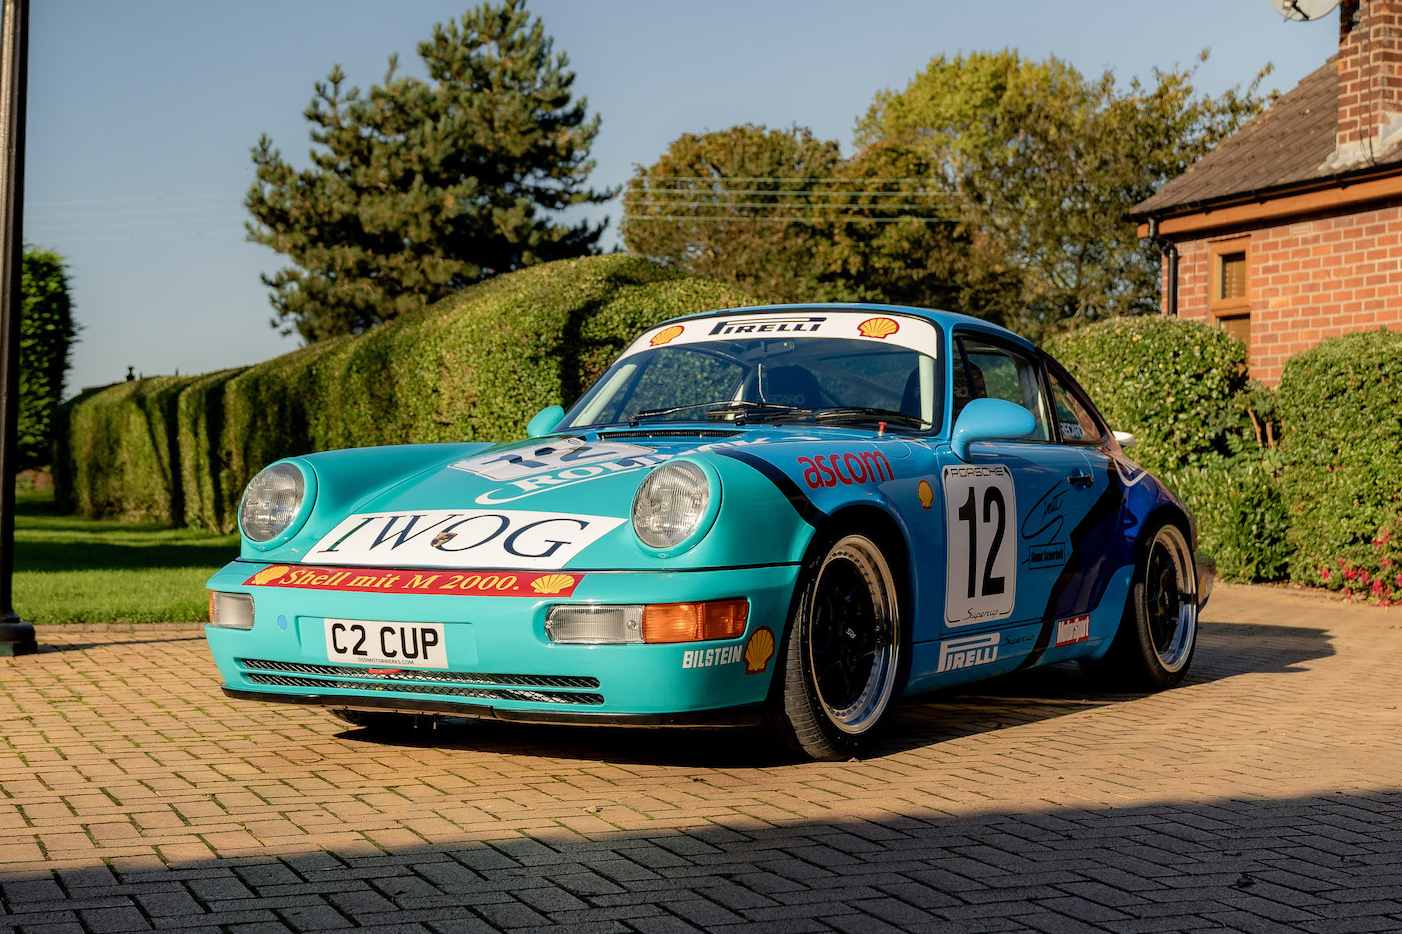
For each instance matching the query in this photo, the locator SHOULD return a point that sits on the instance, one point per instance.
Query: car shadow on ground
(1224, 650)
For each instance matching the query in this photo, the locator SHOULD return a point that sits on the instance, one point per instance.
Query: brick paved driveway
(1264, 795)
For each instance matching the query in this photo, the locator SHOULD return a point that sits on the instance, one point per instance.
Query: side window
(1077, 425)
(988, 371)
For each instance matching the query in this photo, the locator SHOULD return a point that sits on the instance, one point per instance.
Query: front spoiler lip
(746, 716)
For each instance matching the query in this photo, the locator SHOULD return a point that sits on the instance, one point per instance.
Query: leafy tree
(419, 188)
(1042, 166)
(46, 331)
(744, 205)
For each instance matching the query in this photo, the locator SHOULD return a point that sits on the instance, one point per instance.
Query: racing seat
(790, 385)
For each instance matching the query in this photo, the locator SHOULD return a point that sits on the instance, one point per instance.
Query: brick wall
(1308, 280)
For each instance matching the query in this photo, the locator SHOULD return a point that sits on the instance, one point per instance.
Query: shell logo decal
(759, 650)
(552, 583)
(666, 335)
(268, 575)
(926, 494)
(878, 327)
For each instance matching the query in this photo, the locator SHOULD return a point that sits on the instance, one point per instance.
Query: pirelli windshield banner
(883, 327)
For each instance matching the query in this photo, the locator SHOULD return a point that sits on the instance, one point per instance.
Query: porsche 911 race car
(791, 515)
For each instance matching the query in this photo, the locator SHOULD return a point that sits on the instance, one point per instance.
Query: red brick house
(1290, 231)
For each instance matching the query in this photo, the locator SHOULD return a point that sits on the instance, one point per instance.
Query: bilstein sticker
(438, 583)
(709, 658)
(461, 539)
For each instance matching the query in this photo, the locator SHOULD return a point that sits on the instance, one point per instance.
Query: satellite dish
(1299, 10)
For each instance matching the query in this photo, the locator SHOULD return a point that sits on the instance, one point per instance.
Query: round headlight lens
(670, 504)
(271, 502)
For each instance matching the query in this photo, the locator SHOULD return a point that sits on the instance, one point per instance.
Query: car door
(1011, 509)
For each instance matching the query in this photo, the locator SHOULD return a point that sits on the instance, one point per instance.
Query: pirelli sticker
(454, 583)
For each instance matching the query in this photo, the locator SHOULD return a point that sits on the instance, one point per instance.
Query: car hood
(545, 503)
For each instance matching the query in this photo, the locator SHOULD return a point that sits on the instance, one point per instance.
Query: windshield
(772, 378)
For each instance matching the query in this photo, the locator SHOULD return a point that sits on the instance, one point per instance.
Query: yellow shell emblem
(926, 494)
(552, 583)
(268, 575)
(759, 650)
(666, 335)
(878, 327)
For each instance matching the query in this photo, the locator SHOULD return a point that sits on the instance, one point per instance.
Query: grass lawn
(74, 570)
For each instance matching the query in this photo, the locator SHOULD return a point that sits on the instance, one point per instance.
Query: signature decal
(1042, 528)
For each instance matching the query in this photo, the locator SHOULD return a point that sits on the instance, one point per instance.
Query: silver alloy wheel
(852, 635)
(1170, 597)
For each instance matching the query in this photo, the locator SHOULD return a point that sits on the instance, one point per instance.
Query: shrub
(473, 367)
(1241, 519)
(46, 330)
(116, 451)
(1341, 414)
(1176, 385)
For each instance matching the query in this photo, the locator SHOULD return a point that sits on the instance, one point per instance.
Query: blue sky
(142, 113)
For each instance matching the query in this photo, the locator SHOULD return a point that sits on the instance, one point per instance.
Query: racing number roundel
(980, 524)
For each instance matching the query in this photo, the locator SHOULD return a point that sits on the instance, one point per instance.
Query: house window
(1230, 296)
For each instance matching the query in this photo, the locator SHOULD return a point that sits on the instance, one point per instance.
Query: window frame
(1051, 368)
(1032, 355)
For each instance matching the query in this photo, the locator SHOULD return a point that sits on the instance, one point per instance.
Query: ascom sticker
(1071, 631)
(828, 470)
(461, 539)
(969, 651)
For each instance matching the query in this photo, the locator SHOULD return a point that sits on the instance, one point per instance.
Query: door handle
(1081, 478)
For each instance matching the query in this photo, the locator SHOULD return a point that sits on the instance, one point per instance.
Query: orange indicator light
(695, 622)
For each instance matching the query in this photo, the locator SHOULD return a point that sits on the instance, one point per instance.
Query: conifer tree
(419, 188)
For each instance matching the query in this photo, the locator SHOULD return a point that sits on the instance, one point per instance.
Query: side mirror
(1126, 439)
(544, 421)
(990, 420)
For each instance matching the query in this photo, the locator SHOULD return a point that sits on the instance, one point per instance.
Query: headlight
(670, 504)
(271, 502)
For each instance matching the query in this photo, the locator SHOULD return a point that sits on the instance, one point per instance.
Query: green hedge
(46, 330)
(474, 367)
(1180, 387)
(1341, 414)
(1172, 383)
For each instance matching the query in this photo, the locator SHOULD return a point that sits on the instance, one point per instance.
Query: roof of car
(947, 319)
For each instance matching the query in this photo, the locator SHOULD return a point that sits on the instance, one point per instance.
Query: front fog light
(271, 502)
(230, 610)
(670, 504)
(595, 625)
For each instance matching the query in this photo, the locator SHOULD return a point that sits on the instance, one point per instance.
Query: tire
(383, 723)
(1154, 645)
(842, 653)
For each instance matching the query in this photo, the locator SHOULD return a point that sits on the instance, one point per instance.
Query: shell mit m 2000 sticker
(980, 515)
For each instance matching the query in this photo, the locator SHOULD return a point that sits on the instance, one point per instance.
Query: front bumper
(500, 663)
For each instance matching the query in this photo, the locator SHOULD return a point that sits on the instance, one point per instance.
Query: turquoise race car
(789, 515)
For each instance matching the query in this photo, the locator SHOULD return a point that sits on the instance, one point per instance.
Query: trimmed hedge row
(1341, 415)
(1180, 387)
(473, 367)
(1172, 383)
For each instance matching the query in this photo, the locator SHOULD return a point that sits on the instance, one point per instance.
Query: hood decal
(461, 538)
(562, 454)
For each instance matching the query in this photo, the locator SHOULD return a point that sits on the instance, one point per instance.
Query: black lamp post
(16, 636)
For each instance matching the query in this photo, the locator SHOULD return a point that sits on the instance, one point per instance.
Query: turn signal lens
(230, 610)
(695, 622)
(590, 624)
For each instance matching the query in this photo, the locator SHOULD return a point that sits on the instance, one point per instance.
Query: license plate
(389, 645)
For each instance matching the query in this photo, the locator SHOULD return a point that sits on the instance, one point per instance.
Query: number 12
(992, 496)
